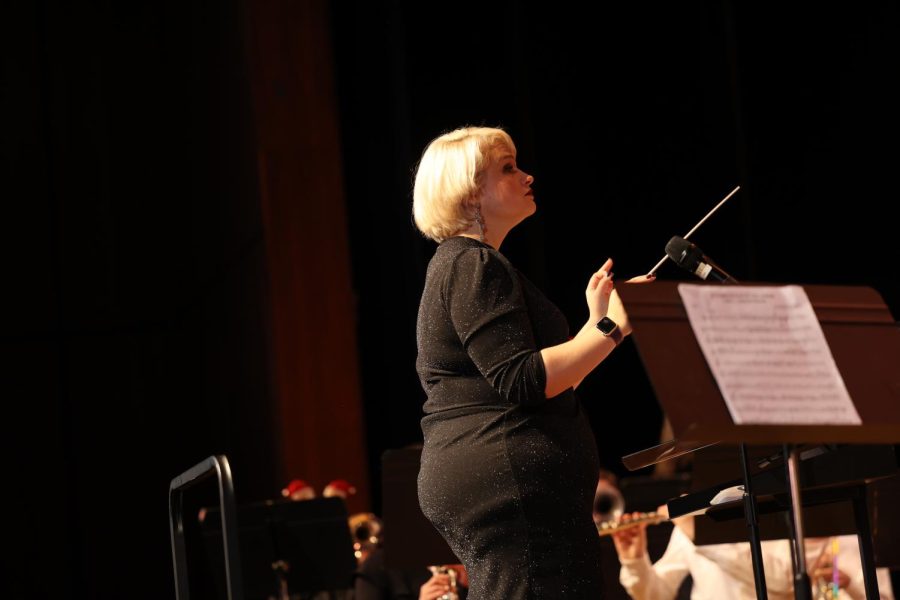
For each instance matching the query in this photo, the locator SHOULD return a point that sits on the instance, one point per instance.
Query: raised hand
(631, 543)
(598, 290)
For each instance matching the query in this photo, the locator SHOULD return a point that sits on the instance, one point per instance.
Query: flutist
(724, 572)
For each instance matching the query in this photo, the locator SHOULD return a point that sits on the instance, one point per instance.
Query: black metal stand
(759, 571)
(217, 465)
(802, 585)
(866, 552)
(289, 548)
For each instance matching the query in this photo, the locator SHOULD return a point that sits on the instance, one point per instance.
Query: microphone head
(684, 253)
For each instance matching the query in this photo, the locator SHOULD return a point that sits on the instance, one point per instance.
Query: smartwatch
(610, 329)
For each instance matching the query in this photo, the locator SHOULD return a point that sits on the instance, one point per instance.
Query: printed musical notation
(768, 355)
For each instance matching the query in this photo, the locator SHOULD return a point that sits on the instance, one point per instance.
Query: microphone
(689, 257)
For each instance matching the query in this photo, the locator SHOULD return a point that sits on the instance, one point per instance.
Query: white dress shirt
(725, 571)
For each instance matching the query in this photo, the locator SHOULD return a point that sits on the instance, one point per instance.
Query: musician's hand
(631, 543)
(435, 587)
(823, 569)
(828, 575)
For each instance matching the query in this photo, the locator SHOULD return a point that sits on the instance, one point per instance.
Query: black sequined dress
(508, 475)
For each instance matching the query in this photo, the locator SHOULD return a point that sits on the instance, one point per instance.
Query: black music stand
(288, 547)
(713, 467)
(865, 343)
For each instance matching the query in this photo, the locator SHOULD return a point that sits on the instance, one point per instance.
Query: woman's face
(506, 197)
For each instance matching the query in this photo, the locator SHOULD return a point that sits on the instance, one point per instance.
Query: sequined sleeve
(483, 297)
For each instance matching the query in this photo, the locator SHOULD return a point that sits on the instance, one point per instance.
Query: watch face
(606, 325)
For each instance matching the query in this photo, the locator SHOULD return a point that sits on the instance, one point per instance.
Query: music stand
(830, 516)
(289, 547)
(865, 344)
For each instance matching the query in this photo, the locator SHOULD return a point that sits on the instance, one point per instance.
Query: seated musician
(724, 571)
(374, 581)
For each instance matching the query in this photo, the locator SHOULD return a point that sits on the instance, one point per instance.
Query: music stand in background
(288, 547)
(410, 540)
(717, 464)
(884, 498)
(865, 343)
(645, 493)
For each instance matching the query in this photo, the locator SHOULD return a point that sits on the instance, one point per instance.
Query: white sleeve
(850, 563)
(662, 580)
(885, 590)
(736, 561)
(857, 587)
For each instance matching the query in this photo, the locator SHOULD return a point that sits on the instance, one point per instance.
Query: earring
(480, 220)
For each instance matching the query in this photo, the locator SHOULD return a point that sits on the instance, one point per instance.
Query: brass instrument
(366, 530)
(451, 572)
(612, 526)
(608, 502)
(825, 588)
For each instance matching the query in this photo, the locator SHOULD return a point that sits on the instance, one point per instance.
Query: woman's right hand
(631, 543)
(615, 308)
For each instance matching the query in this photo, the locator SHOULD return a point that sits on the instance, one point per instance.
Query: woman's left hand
(598, 290)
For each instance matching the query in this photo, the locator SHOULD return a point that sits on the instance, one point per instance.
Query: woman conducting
(509, 463)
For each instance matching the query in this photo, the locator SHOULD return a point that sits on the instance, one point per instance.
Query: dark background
(137, 330)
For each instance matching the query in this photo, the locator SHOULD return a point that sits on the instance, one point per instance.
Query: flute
(611, 527)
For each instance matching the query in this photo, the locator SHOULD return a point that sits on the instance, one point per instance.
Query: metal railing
(217, 465)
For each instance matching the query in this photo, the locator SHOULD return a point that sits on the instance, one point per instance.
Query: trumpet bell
(609, 505)
(366, 529)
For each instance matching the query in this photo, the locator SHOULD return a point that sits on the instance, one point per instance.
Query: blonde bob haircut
(449, 178)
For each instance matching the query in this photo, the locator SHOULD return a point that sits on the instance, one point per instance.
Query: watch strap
(616, 335)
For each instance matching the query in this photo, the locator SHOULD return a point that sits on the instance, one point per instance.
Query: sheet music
(768, 355)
